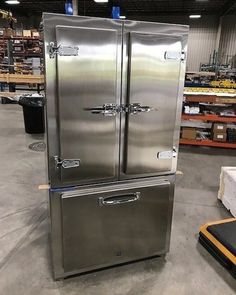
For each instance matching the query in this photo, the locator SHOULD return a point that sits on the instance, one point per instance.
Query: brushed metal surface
(95, 235)
(52, 20)
(53, 120)
(150, 133)
(153, 81)
(56, 216)
(89, 79)
(105, 185)
(86, 81)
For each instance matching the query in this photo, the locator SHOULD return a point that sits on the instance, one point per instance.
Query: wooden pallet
(22, 79)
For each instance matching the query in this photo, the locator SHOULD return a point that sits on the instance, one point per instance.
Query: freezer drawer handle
(117, 200)
(108, 109)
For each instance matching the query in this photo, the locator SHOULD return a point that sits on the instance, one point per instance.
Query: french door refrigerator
(114, 91)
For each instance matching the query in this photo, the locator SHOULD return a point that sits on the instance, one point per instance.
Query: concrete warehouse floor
(24, 249)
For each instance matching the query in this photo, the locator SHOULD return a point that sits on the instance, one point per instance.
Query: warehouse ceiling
(128, 7)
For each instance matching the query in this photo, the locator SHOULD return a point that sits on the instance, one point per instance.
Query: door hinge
(62, 50)
(175, 55)
(66, 163)
(183, 56)
(167, 154)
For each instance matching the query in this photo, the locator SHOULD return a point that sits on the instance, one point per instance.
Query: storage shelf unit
(30, 47)
(207, 142)
(22, 79)
(21, 38)
(21, 63)
(211, 118)
(212, 96)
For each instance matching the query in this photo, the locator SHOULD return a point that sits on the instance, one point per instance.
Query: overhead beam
(92, 11)
(75, 7)
(227, 7)
(217, 44)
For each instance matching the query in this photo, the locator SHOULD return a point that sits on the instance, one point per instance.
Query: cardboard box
(35, 34)
(219, 128)
(26, 33)
(189, 133)
(8, 32)
(220, 136)
(19, 33)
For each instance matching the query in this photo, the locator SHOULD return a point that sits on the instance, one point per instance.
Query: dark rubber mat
(225, 233)
(215, 252)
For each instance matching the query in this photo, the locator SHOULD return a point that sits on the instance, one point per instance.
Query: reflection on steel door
(153, 80)
(119, 231)
(87, 69)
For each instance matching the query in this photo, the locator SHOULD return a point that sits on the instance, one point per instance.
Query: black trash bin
(33, 110)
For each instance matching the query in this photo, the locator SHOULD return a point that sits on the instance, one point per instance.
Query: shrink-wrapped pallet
(227, 190)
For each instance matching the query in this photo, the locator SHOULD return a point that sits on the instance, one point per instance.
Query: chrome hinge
(175, 55)
(183, 56)
(167, 154)
(66, 163)
(62, 50)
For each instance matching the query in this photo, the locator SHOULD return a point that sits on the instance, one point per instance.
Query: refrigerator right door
(153, 64)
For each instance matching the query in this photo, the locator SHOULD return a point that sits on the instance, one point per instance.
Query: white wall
(228, 37)
(202, 36)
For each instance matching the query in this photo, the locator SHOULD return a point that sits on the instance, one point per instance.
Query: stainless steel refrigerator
(114, 91)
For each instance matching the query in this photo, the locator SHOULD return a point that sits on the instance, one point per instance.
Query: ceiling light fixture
(195, 16)
(101, 1)
(12, 2)
(122, 17)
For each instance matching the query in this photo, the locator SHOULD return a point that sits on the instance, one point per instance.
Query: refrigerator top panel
(114, 92)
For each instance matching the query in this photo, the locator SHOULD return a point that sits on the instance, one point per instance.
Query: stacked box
(189, 133)
(219, 132)
(19, 32)
(231, 134)
(26, 33)
(8, 32)
(35, 34)
(36, 65)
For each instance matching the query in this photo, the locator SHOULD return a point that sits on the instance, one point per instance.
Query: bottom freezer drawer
(115, 225)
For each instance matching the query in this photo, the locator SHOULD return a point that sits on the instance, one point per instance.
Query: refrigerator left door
(87, 62)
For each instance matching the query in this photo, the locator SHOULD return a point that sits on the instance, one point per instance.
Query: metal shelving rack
(207, 142)
(19, 74)
(212, 96)
(210, 118)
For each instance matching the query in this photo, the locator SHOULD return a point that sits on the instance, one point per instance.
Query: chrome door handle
(117, 200)
(108, 109)
(137, 108)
